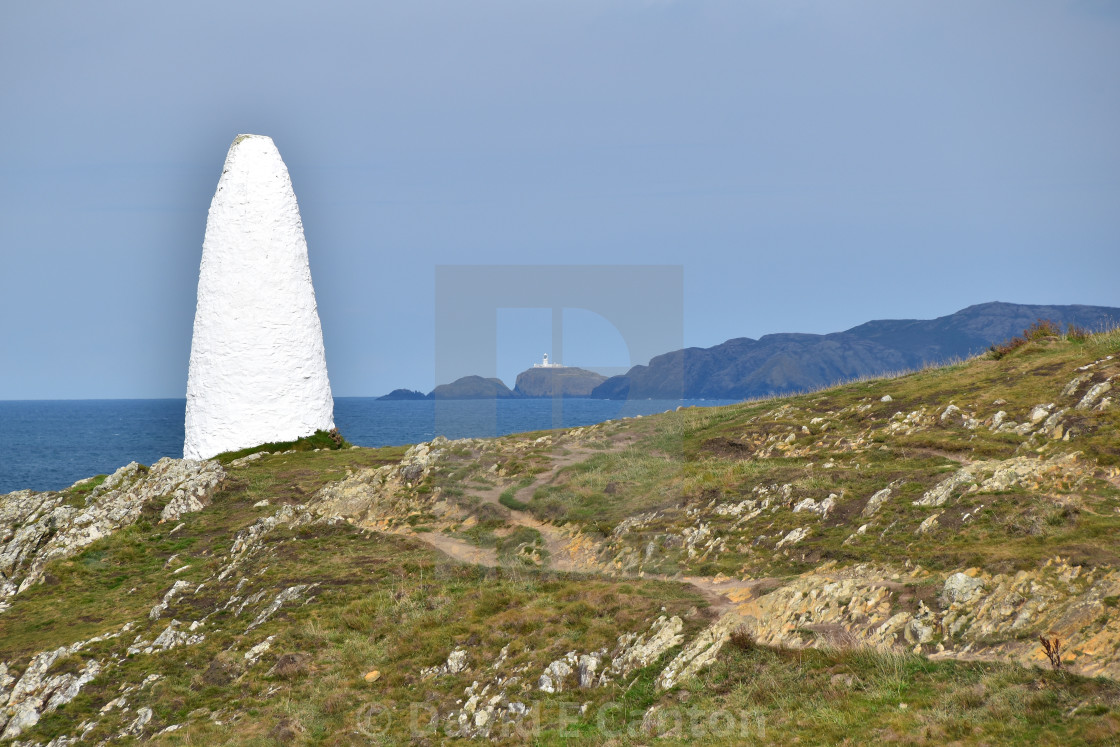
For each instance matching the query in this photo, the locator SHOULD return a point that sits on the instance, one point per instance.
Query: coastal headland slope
(874, 561)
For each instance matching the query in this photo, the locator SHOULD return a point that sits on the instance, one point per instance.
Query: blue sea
(49, 445)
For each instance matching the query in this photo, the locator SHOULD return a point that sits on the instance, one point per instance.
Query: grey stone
(960, 588)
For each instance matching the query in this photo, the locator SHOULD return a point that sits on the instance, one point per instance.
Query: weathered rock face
(37, 692)
(492, 705)
(258, 370)
(970, 614)
(36, 528)
(34, 687)
(376, 497)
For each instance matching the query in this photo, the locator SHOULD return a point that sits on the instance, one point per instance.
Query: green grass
(834, 696)
(686, 460)
(382, 602)
(508, 498)
(78, 494)
(320, 440)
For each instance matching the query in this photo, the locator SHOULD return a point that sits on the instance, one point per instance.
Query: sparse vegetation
(320, 440)
(1052, 647)
(1040, 331)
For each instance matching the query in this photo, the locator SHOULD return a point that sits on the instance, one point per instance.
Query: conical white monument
(258, 372)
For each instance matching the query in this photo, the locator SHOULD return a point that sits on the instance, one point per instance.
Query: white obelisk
(258, 372)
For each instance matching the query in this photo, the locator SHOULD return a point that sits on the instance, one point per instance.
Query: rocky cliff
(568, 381)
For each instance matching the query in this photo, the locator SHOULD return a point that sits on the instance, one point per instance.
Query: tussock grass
(833, 696)
(320, 440)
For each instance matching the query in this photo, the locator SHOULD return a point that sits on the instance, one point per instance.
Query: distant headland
(544, 379)
(783, 363)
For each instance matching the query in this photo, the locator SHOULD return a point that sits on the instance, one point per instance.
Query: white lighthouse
(258, 370)
(545, 364)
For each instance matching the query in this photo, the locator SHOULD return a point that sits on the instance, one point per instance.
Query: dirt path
(576, 554)
(458, 549)
(571, 551)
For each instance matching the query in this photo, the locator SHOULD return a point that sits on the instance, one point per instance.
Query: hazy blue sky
(811, 165)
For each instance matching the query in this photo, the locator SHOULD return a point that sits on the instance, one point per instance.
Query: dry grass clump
(1041, 330)
(291, 666)
(742, 639)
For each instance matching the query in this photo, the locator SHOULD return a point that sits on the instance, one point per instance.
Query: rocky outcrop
(998, 475)
(381, 496)
(36, 528)
(456, 662)
(635, 651)
(40, 687)
(567, 381)
(701, 652)
(962, 615)
(490, 705)
(37, 692)
(403, 394)
(473, 387)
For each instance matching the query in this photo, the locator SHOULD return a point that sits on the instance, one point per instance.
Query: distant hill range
(782, 363)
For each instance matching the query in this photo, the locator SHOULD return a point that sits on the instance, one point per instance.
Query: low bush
(1043, 329)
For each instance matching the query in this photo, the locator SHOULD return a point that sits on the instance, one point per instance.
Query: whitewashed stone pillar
(258, 372)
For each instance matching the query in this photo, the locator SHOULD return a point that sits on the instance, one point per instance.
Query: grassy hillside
(873, 562)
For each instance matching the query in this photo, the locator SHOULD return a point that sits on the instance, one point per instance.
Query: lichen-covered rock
(961, 588)
(998, 616)
(822, 507)
(552, 681)
(929, 524)
(379, 497)
(998, 475)
(635, 651)
(249, 541)
(482, 713)
(171, 637)
(253, 655)
(700, 652)
(1094, 393)
(1071, 388)
(586, 668)
(457, 661)
(875, 502)
(176, 588)
(37, 692)
(136, 728)
(290, 594)
(36, 528)
(793, 537)
(191, 484)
